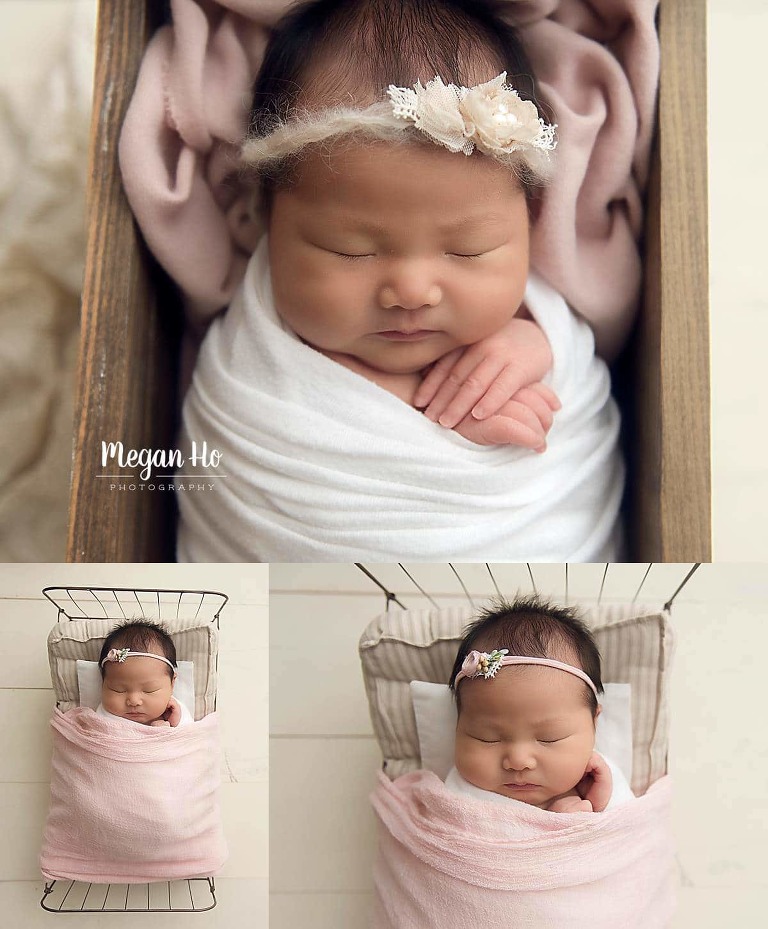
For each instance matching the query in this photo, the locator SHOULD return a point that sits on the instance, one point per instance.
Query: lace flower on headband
(490, 117)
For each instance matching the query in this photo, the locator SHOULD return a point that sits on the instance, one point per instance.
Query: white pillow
(89, 684)
(435, 711)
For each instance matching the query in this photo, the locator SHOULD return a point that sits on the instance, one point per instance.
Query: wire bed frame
(73, 603)
(194, 895)
(78, 604)
(393, 598)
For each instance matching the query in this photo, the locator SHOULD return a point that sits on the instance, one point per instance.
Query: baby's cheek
(471, 764)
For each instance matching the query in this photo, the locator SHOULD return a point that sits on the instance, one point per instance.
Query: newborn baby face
(527, 733)
(396, 254)
(137, 688)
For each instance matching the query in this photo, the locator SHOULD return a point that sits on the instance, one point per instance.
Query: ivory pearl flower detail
(500, 122)
(491, 117)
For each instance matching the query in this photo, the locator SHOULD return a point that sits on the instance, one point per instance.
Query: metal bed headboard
(567, 569)
(73, 603)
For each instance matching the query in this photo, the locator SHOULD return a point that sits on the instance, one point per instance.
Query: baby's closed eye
(552, 738)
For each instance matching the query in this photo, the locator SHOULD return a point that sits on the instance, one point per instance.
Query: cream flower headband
(490, 117)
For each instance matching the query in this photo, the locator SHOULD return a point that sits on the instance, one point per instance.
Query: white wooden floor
(323, 757)
(26, 699)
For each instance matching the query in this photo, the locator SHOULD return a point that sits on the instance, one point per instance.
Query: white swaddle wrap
(321, 464)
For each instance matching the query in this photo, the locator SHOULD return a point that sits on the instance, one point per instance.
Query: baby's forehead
(523, 689)
(136, 664)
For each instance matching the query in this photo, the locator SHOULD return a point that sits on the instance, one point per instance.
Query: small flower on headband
(117, 654)
(483, 664)
(490, 116)
(500, 122)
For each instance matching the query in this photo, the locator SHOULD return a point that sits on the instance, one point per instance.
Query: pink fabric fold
(453, 862)
(132, 803)
(597, 62)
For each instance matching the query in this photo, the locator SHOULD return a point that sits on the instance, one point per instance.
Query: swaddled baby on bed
(531, 827)
(526, 681)
(138, 672)
(399, 148)
(129, 805)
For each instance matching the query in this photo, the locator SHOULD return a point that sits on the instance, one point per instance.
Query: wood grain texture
(671, 478)
(129, 340)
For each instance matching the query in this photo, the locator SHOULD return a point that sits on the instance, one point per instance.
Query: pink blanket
(597, 61)
(132, 803)
(450, 862)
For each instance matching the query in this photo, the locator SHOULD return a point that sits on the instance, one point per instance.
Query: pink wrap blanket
(597, 62)
(451, 862)
(132, 803)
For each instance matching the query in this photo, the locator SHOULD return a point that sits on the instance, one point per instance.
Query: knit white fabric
(321, 464)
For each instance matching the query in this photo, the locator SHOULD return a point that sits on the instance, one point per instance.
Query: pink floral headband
(487, 664)
(120, 654)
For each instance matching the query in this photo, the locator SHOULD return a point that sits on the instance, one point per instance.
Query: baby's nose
(518, 758)
(409, 286)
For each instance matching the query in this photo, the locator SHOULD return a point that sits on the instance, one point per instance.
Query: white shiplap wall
(26, 699)
(323, 756)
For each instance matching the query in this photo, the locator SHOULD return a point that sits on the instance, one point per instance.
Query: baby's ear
(599, 710)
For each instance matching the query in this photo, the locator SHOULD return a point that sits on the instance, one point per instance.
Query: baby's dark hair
(366, 45)
(140, 635)
(535, 628)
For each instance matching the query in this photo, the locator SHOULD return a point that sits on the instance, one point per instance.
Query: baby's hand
(479, 379)
(160, 722)
(172, 713)
(570, 805)
(597, 784)
(524, 420)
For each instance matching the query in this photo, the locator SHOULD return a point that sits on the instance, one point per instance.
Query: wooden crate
(131, 321)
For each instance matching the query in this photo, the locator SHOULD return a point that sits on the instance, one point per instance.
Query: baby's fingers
(507, 384)
(521, 426)
(547, 394)
(538, 404)
(517, 425)
(463, 387)
(597, 783)
(435, 378)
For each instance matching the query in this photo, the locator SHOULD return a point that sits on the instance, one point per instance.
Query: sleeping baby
(531, 827)
(392, 378)
(138, 672)
(129, 805)
(526, 681)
